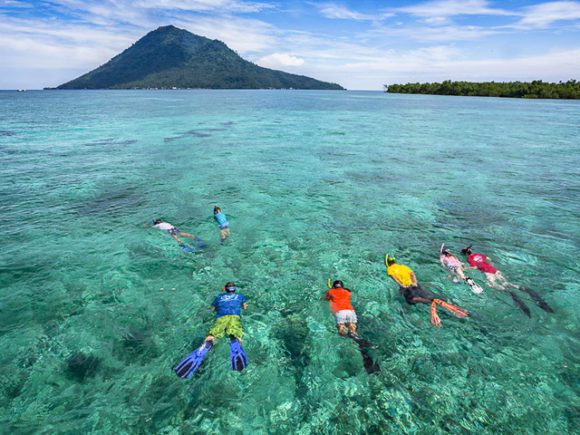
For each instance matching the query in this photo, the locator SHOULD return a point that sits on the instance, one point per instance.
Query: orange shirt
(339, 299)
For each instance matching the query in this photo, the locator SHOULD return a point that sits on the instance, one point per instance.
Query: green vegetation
(535, 89)
(174, 58)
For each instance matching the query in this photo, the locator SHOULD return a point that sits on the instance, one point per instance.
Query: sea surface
(97, 308)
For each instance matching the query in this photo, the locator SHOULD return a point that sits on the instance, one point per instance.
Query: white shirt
(164, 226)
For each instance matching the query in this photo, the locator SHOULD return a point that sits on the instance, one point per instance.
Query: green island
(534, 89)
(172, 58)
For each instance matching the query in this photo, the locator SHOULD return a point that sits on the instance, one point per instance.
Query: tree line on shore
(535, 89)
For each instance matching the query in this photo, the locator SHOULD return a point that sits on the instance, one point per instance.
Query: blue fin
(200, 244)
(192, 361)
(186, 248)
(238, 358)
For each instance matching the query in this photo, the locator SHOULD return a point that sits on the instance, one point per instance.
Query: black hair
(229, 284)
(466, 250)
(157, 221)
(337, 284)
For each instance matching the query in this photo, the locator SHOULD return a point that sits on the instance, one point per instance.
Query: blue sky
(359, 44)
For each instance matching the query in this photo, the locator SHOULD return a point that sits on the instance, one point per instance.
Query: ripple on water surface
(96, 308)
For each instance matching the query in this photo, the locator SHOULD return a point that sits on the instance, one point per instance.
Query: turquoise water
(96, 309)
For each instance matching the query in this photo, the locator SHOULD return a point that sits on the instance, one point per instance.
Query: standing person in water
(228, 307)
(415, 294)
(496, 280)
(175, 233)
(222, 222)
(455, 268)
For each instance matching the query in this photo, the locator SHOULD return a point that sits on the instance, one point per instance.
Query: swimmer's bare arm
(244, 306)
(212, 308)
(414, 278)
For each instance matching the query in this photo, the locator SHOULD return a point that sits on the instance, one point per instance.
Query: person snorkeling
(415, 294)
(339, 297)
(455, 269)
(228, 307)
(222, 222)
(175, 232)
(344, 313)
(495, 279)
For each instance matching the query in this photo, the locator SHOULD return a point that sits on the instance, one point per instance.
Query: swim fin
(369, 364)
(363, 346)
(238, 358)
(475, 287)
(520, 304)
(537, 299)
(199, 242)
(361, 342)
(186, 248)
(192, 361)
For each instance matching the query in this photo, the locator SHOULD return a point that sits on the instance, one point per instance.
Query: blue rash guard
(228, 304)
(221, 220)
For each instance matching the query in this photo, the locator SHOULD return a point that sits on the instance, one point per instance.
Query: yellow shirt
(402, 273)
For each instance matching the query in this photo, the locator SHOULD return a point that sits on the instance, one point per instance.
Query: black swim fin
(362, 342)
(537, 299)
(368, 363)
(520, 304)
(363, 346)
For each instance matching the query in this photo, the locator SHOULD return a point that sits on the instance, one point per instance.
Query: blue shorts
(224, 226)
(173, 231)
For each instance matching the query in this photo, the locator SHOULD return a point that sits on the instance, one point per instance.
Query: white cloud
(449, 8)
(338, 12)
(448, 64)
(14, 4)
(47, 52)
(205, 5)
(280, 60)
(438, 34)
(542, 15)
(334, 11)
(242, 35)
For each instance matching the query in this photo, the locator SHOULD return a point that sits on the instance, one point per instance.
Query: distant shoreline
(536, 89)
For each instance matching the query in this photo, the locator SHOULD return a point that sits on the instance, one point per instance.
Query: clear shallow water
(315, 184)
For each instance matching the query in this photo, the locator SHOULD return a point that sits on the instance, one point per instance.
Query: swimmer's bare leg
(351, 329)
(187, 235)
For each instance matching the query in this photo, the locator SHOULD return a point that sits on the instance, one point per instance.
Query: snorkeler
(455, 268)
(339, 298)
(496, 280)
(228, 307)
(222, 222)
(175, 232)
(346, 320)
(415, 294)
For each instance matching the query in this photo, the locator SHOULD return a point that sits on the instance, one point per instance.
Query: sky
(361, 45)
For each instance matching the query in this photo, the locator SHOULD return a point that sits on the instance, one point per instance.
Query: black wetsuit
(416, 291)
